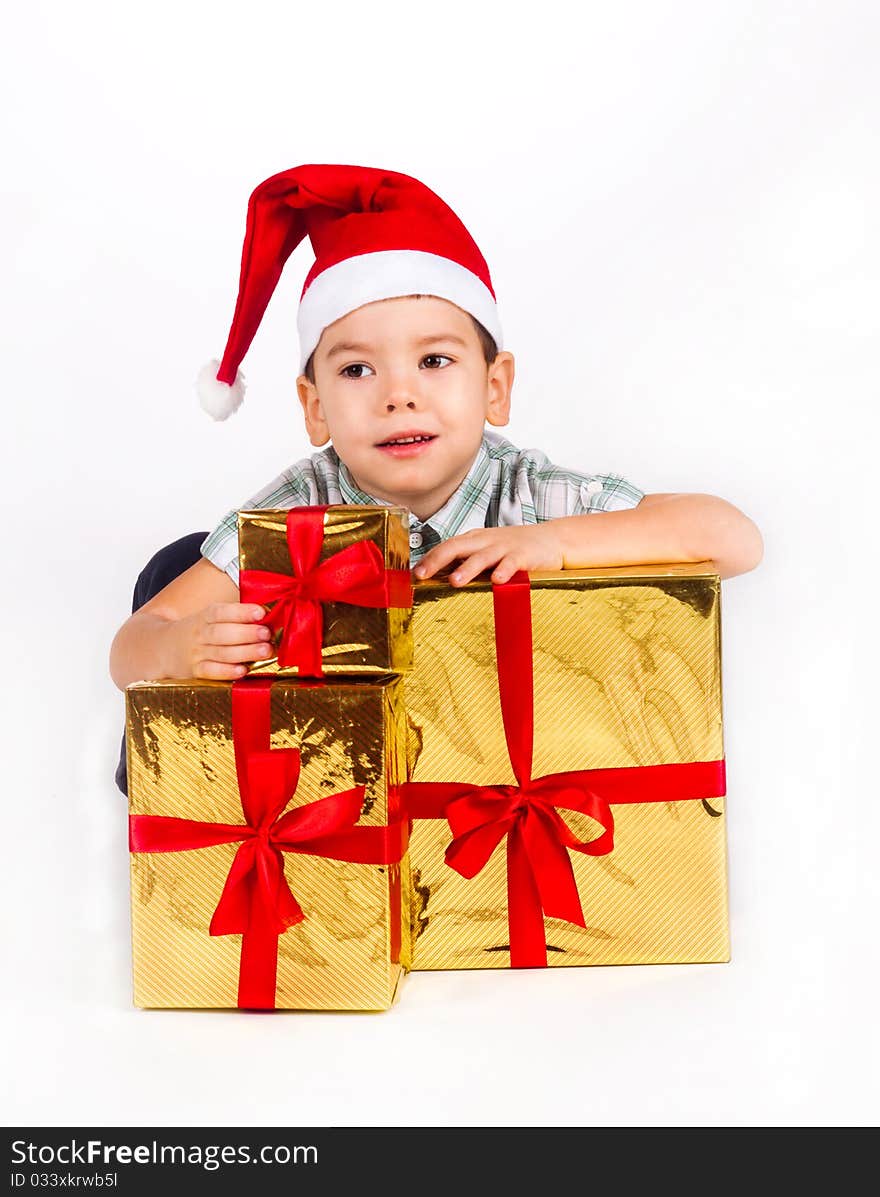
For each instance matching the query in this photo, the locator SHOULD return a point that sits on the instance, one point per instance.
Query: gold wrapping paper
(347, 954)
(356, 640)
(627, 671)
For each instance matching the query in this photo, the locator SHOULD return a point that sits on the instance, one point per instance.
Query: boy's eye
(431, 359)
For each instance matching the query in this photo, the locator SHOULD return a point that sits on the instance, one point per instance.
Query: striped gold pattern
(362, 641)
(181, 763)
(627, 672)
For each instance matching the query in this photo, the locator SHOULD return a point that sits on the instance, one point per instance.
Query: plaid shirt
(505, 486)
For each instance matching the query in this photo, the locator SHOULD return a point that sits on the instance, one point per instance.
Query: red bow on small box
(257, 902)
(355, 575)
(540, 878)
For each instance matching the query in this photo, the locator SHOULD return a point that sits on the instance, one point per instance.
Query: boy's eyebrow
(430, 339)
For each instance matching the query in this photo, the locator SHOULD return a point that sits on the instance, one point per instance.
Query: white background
(678, 203)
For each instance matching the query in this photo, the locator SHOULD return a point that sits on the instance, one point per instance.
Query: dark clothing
(162, 568)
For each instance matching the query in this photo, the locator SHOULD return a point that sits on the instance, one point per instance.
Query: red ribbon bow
(257, 902)
(354, 575)
(540, 878)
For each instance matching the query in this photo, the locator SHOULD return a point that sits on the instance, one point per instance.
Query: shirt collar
(464, 510)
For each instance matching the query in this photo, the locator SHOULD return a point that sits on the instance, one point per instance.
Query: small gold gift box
(336, 584)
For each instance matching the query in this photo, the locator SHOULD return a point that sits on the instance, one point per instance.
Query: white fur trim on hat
(387, 274)
(219, 399)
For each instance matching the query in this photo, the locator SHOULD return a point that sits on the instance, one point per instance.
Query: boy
(398, 283)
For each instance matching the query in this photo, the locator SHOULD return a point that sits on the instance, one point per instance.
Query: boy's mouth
(407, 444)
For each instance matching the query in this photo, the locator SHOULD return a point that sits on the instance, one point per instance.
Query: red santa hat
(376, 235)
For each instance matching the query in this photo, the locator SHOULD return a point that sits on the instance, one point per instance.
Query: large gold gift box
(627, 673)
(355, 639)
(350, 950)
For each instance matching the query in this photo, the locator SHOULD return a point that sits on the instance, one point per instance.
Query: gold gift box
(627, 672)
(353, 945)
(356, 640)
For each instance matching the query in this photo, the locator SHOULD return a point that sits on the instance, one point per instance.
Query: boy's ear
(499, 385)
(316, 425)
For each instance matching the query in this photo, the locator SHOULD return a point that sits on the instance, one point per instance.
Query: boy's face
(400, 368)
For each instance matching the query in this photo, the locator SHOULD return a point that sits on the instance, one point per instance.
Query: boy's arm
(662, 528)
(194, 627)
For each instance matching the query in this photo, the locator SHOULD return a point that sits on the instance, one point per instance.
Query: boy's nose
(400, 394)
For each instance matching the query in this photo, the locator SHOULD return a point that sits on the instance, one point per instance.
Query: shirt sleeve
(292, 488)
(557, 491)
(606, 492)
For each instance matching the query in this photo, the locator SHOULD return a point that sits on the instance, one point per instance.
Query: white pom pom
(217, 398)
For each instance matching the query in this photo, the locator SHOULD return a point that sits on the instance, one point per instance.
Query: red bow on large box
(355, 575)
(540, 878)
(257, 902)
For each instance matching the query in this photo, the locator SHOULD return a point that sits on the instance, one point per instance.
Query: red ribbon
(355, 575)
(257, 902)
(540, 878)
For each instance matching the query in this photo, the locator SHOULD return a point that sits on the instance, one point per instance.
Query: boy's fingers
(474, 565)
(439, 556)
(235, 653)
(236, 633)
(218, 672)
(234, 613)
(504, 570)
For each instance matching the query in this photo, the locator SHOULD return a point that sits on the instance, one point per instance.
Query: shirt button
(594, 487)
(415, 540)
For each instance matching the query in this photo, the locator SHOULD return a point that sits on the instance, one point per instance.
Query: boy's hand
(217, 641)
(532, 546)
